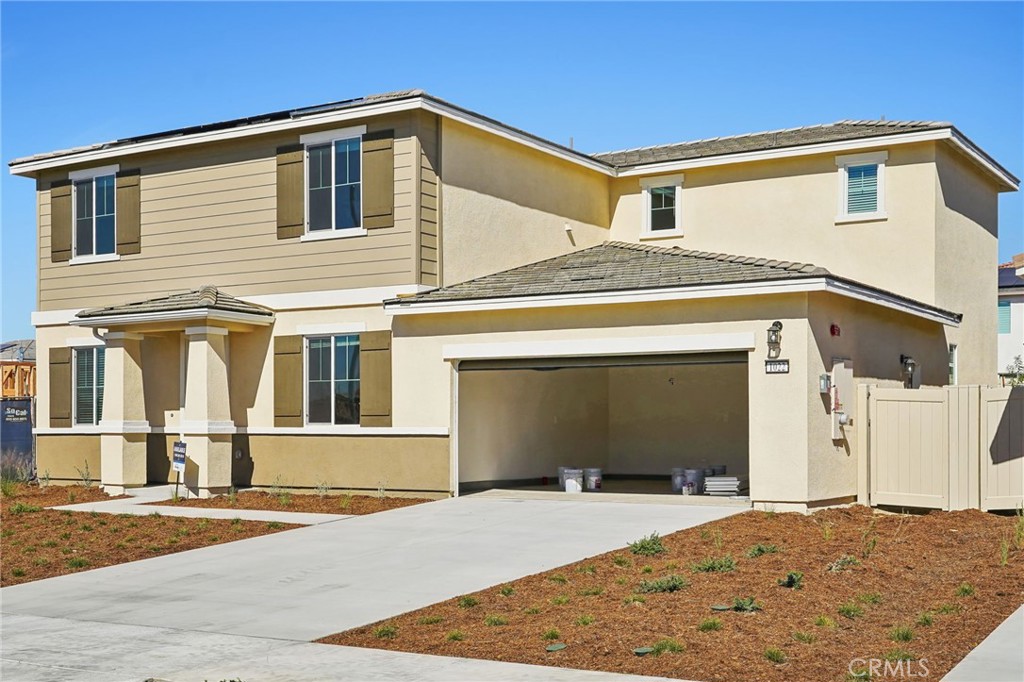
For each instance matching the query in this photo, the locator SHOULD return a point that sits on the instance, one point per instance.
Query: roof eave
(203, 315)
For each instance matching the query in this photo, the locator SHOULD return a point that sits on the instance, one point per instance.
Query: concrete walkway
(249, 608)
(139, 503)
(999, 657)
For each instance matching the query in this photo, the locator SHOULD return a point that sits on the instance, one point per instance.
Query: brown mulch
(37, 543)
(309, 503)
(909, 565)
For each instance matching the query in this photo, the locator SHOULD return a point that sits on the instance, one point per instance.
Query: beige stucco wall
(518, 424)
(786, 209)
(967, 253)
(64, 458)
(505, 205)
(209, 217)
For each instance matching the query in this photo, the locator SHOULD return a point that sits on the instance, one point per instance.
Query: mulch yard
(309, 503)
(923, 590)
(37, 543)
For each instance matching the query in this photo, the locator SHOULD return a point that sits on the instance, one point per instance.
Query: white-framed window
(94, 212)
(332, 379)
(87, 390)
(861, 187)
(662, 206)
(334, 187)
(953, 370)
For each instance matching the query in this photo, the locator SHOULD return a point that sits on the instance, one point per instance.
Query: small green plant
(712, 565)
(77, 562)
(85, 527)
(671, 583)
(584, 620)
(804, 637)
(621, 561)
(531, 610)
(455, 636)
(745, 605)
(827, 531)
(965, 590)
(467, 602)
(716, 539)
(858, 673)
(232, 496)
(760, 550)
(22, 508)
(323, 489)
(947, 609)
(284, 499)
(1018, 528)
(551, 633)
(430, 620)
(842, 563)
(925, 619)
(647, 569)
(872, 598)
(592, 591)
(560, 600)
(85, 475)
(587, 569)
(901, 633)
(775, 655)
(382, 489)
(18, 572)
(899, 655)
(44, 480)
(710, 625)
(345, 501)
(869, 546)
(666, 645)
(793, 580)
(386, 632)
(647, 546)
(8, 487)
(1004, 550)
(65, 536)
(274, 525)
(558, 578)
(50, 543)
(850, 610)
(635, 600)
(621, 581)
(494, 621)
(507, 591)
(236, 521)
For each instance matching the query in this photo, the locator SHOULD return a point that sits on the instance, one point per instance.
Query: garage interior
(634, 417)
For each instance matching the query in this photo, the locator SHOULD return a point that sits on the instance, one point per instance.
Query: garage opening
(634, 417)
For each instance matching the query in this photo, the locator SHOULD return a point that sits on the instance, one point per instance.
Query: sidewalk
(138, 505)
(999, 657)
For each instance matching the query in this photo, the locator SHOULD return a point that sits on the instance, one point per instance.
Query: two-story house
(1010, 313)
(397, 292)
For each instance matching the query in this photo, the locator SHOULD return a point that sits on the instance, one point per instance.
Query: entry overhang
(639, 345)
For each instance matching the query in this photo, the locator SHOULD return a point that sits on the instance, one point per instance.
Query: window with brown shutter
(291, 210)
(129, 212)
(375, 379)
(379, 179)
(60, 221)
(288, 381)
(60, 387)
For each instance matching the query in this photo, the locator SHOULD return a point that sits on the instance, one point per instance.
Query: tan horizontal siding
(208, 215)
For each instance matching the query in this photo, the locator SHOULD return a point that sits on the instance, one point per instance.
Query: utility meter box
(843, 397)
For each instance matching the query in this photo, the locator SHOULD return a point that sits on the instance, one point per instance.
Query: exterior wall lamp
(909, 364)
(775, 339)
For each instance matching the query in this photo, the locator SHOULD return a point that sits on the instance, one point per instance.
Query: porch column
(207, 425)
(123, 422)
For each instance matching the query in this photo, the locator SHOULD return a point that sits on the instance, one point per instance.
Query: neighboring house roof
(20, 350)
(625, 267)
(204, 298)
(1008, 277)
(771, 139)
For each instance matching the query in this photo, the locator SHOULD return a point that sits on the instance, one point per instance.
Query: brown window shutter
(375, 378)
(60, 221)
(128, 212)
(291, 186)
(60, 387)
(288, 381)
(379, 179)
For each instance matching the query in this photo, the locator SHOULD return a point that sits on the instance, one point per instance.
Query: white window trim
(74, 387)
(329, 137)
(647, 184)
(843, 163)
(305, 384)
(80, 176)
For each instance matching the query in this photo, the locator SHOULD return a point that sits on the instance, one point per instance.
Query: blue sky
(608, 75)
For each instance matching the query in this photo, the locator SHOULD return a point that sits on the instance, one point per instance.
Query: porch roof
(205, 302)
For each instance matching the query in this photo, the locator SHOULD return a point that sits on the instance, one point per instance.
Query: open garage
(636, 417)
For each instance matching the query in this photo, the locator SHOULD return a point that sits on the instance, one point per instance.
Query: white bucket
(678, 479)
(719, 469)
(574, 480)
(592, 480)
(693, 483)
(561, 477)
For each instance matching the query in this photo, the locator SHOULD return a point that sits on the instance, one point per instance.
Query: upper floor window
(334, 188)
(88, 384)
(861, 187)
(1004, 317)
(662, 207)
(332, 379)
(94, 211)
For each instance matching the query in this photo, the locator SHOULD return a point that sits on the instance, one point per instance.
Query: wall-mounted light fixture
(908, 364)
(824, 384)
(775, 339)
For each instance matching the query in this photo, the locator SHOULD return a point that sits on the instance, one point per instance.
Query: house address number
(776, 366)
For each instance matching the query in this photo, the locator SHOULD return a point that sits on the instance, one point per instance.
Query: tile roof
(771, 139)
(205, 297)
(619, 266)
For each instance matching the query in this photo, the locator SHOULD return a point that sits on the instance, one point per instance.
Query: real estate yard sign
(178, 457)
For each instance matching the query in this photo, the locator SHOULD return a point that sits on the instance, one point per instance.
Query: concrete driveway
(249, 608)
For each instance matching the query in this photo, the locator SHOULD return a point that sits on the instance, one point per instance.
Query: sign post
(178, 463)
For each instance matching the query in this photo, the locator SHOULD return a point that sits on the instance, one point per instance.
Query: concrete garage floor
(248, 609)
